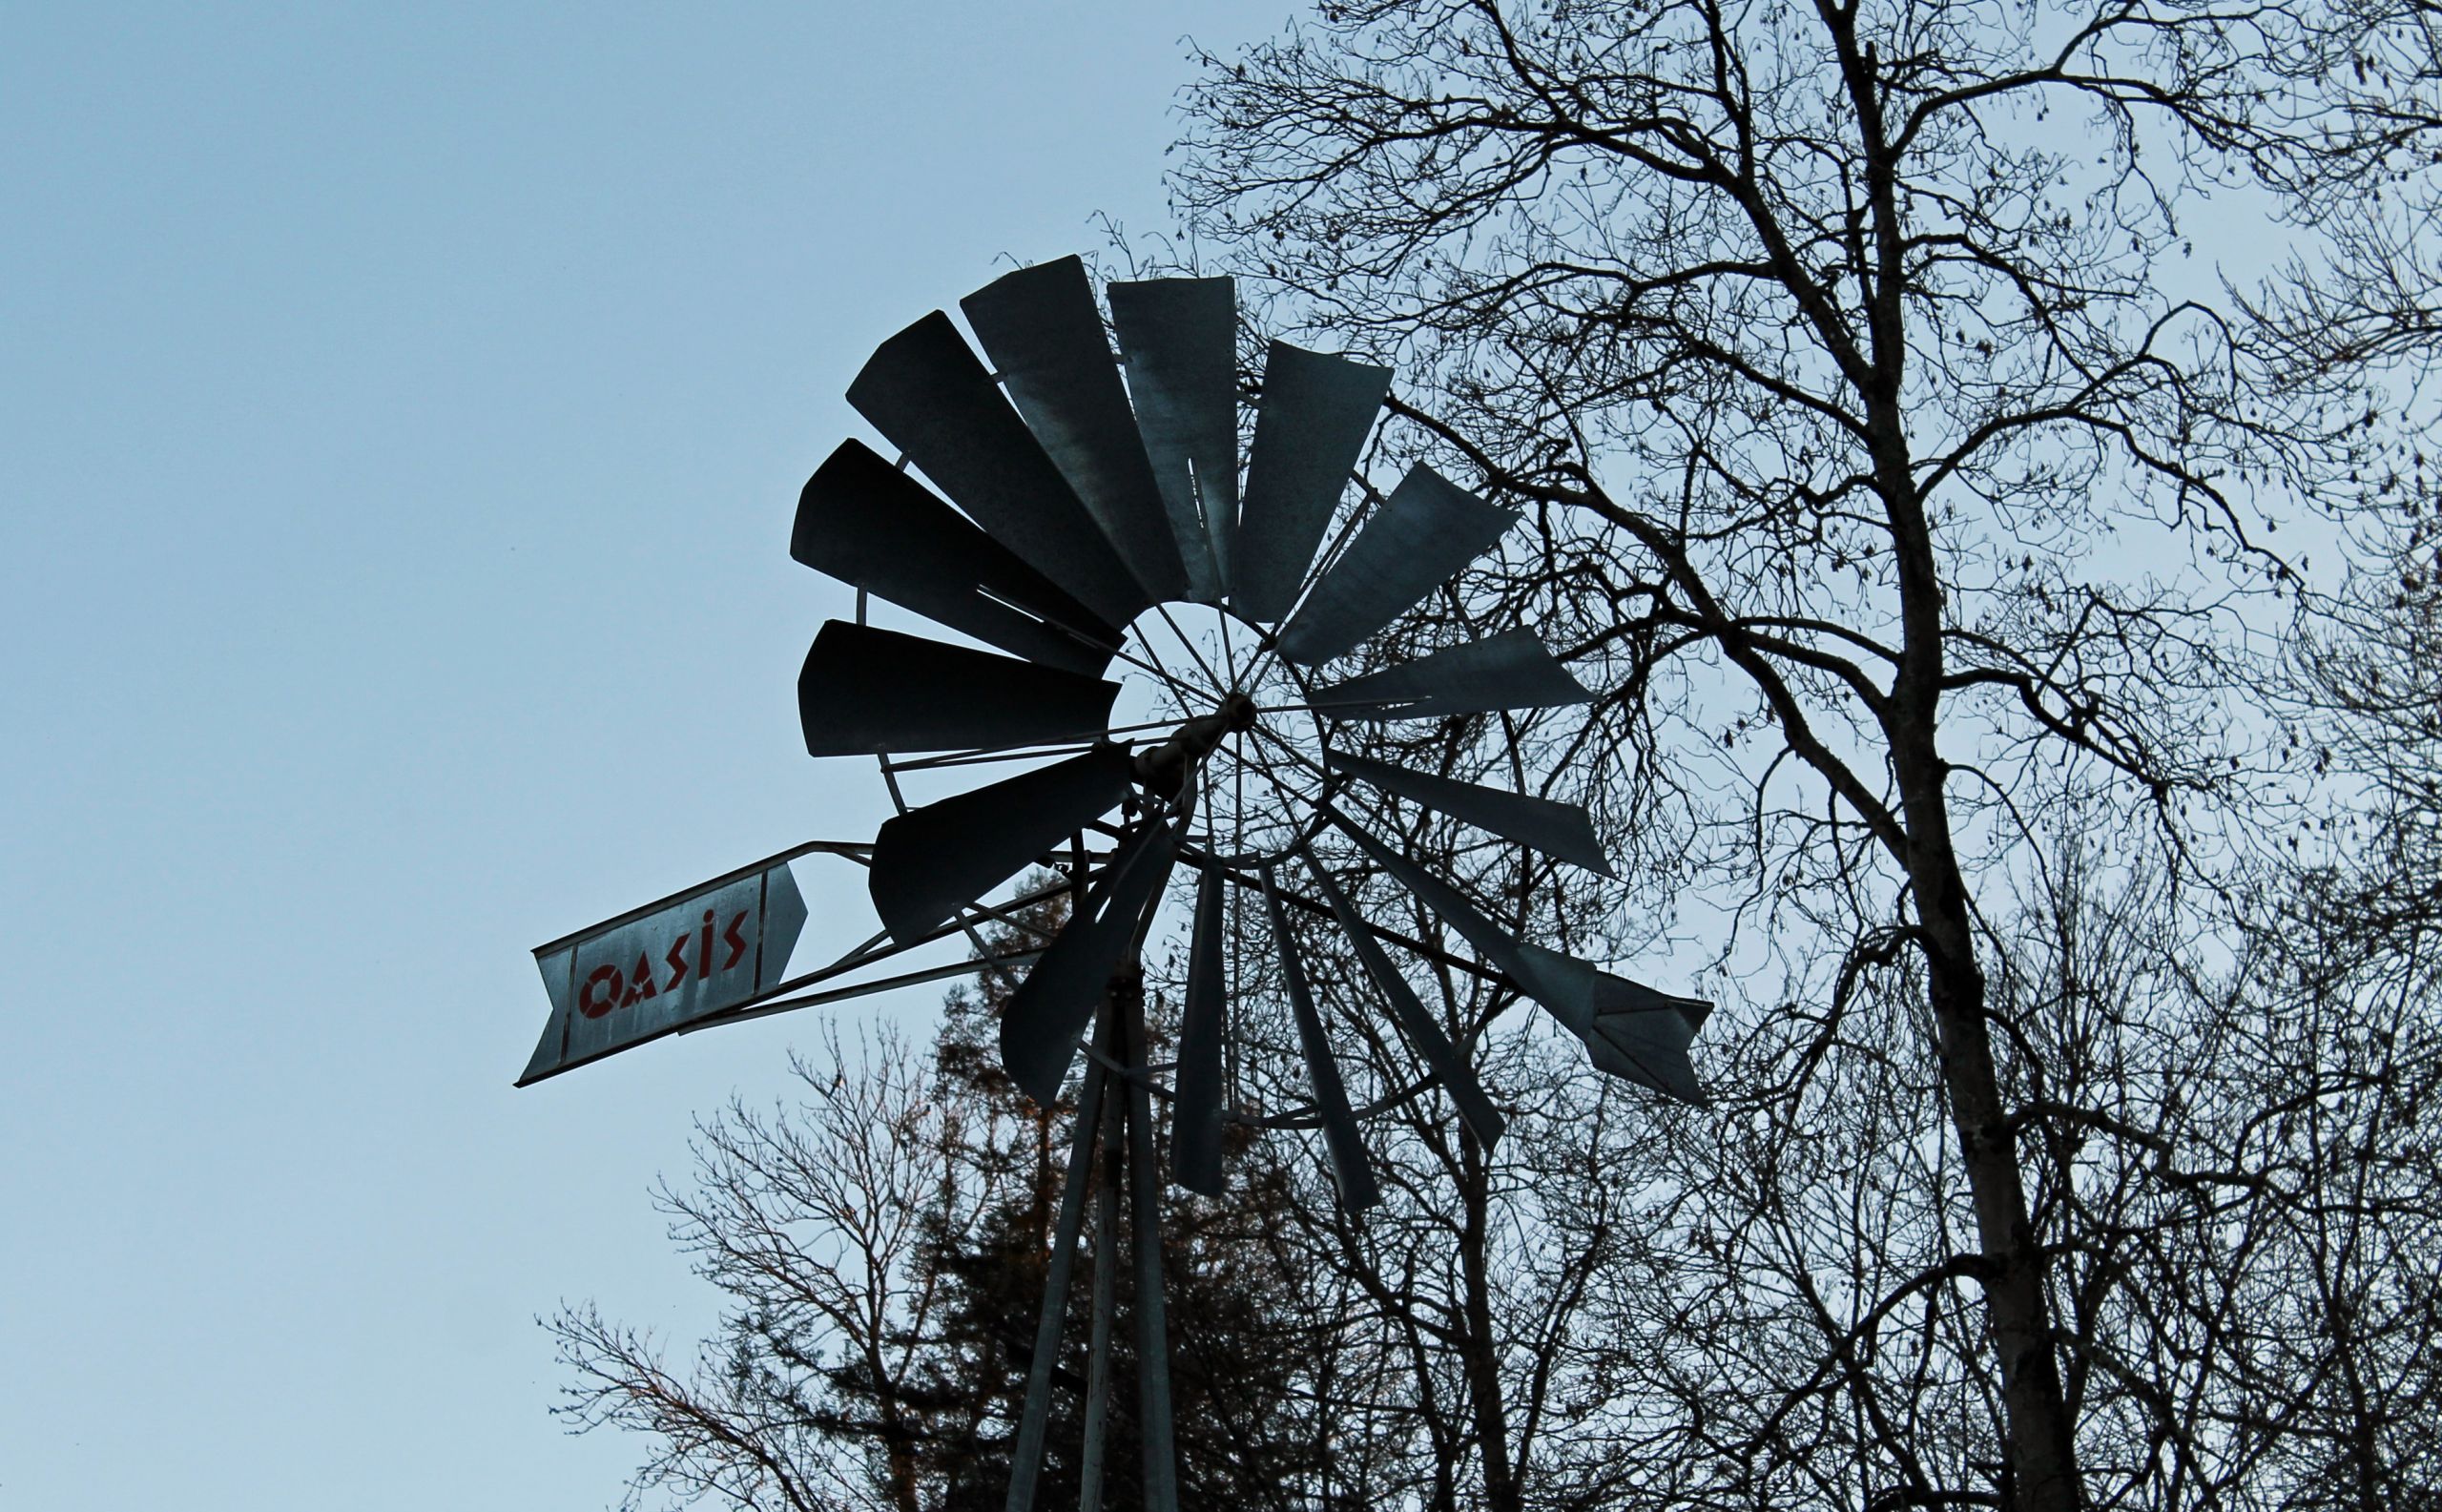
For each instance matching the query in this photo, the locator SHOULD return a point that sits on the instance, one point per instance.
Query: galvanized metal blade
(1316, 411)
(1195, 1116)
(1559, 984)
(870, 526)
(929, 862)
(1422, 536)
(1643, 1035)
(1179, 336)
(926, 391)
(1351, 1172)
(1050, 1009)
(1554, 828)
(1041, 327)
(1508, 670)
(865, 690)
(1431, 1046)
(1598, 1007)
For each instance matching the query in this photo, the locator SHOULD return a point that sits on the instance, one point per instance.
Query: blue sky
(404, 410)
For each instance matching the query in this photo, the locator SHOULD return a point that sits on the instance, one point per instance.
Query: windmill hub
(1163, 769)
(1225, 723)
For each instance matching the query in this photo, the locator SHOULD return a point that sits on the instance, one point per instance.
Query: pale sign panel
(700, 954)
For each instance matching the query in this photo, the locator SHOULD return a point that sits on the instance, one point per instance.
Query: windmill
(1099, 537)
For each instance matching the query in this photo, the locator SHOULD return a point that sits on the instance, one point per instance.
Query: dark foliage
(882, 1251)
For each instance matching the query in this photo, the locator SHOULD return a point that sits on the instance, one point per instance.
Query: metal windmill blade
(1098, 537)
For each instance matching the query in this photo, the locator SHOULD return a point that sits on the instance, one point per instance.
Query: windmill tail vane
(1095, 535)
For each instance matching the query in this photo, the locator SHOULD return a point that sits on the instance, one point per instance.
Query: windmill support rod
(855, 850)
(776, 998)
(1203, 860)
(763, 1007)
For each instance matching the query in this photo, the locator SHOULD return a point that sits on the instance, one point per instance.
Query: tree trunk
(1481, 1350)
(2041, 1446)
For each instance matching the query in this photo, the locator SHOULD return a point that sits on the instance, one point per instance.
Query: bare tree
(814, 1223)
(881, 1247)
(1907, 489)
(2357, 1170)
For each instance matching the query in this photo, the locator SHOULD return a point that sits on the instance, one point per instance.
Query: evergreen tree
(882, 1249)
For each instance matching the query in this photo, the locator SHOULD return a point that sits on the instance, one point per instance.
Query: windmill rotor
(1162, 652)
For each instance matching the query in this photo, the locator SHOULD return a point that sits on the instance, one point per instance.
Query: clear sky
(401, 410)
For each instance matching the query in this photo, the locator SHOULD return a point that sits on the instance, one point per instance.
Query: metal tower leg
(1090, 1458)
(1025, 1461)
(1145, 1204)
